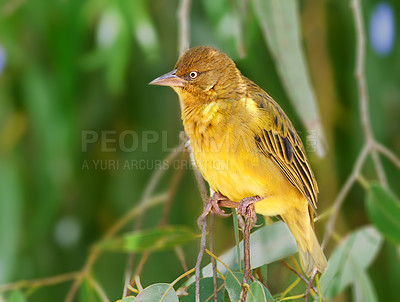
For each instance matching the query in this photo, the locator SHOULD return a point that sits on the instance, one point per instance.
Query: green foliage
(384, 211)
(280, 25)
(206, 290)
(233, 285)
(349, 261)
(267, 245)
(16, 296)
(149, 240)
(258, 292)
(159, 292)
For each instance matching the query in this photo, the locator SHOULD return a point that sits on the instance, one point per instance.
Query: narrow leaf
(384, 212)
(259, 293)
(352, 256)
(150, 240)
(155, 293)
(16, 296)
(281, 28)
(127, 299)
(363, 290)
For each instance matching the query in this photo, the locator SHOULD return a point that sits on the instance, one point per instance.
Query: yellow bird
(245, 146)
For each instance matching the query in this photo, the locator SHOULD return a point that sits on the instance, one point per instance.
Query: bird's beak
(169, 79)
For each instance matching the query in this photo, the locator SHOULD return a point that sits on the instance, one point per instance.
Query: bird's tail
(311, 254)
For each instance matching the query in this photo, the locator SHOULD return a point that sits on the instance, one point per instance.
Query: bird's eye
(193, 74)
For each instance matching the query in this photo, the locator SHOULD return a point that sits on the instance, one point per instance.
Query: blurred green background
(75, 107)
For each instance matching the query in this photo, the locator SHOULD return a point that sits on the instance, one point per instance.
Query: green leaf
(16, 296)
(150, 240)
(258, 292)
(268, 244)
(352, 256)
(234, 284)
(127, 299)
(206, 291)
(363, 290)
(281, 28)
(156, 292)
(384, 212)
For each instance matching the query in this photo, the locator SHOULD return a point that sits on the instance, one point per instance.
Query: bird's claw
(246, 208)
(213, 206)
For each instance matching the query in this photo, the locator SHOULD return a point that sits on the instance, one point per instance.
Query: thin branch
(183, 20)
(100, 291)
(343, 193)
(360, 71)
(148, 192)
(144, 204)
(362, 88)
(39, 282)
(298, 275)
(181, 256)
(214, 266)
(176, 179)
(388, 153)
(200, 257)
(379, 168)
(246, 256)
(309, 286)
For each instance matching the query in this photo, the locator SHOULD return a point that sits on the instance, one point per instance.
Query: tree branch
(362, 89)
(183, 21)
(388, 153)
(343, 193)
(39, 282)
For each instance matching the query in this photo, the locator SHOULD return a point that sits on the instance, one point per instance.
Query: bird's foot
(246, 207)
(213, 206)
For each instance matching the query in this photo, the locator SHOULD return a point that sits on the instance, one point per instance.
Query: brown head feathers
(210, 74)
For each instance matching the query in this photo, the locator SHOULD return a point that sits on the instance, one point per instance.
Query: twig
(138, 270)
(362, 88)
(183, 21)
(144, 204)
(309, 285)
(174, 282)
(388, 153)
(343, 193)
(154, 180)
(298, 275)
(94, 253)
(99, 290)
(246, 257)
(178, 173)
(181, 256)
(39, 282)
(261, 277)
(370, 144)
(214, 266)
(169, 196)
(200, 257)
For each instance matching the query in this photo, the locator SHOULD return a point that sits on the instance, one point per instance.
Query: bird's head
(203, 74)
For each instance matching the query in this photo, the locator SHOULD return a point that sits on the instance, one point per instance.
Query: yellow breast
(223, 145)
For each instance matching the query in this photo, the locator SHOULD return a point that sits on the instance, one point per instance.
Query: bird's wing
(278, 140)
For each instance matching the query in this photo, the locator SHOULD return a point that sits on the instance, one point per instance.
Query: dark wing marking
(279, 141)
